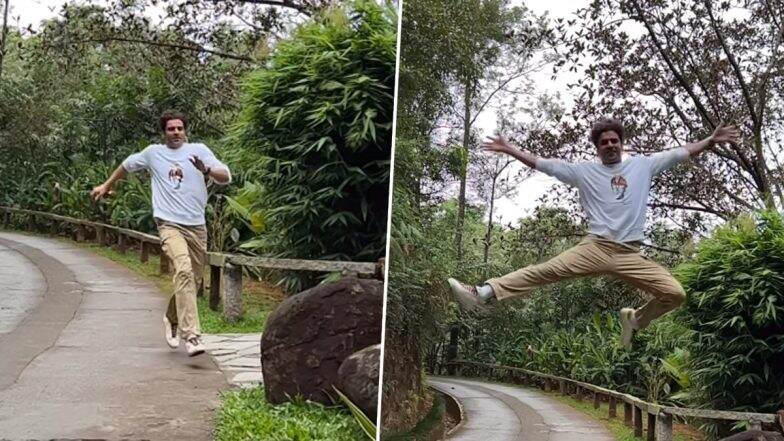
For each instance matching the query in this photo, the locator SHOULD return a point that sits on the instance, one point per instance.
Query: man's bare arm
(501, 145)
(101, 190)
(722, 134)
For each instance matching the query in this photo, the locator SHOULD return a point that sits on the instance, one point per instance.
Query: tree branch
(672, 67)
(306, 10)
(735, 67)
(193, 48)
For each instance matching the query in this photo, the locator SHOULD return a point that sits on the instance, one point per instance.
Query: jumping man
(614, 195)
(179, 195)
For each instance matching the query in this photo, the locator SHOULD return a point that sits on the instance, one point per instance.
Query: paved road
(506, 413)
(82, 355)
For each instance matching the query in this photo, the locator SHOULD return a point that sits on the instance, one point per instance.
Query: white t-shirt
(179, 193)
(615, 197)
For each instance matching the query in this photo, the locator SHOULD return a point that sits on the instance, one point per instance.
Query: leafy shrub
(319, 121)
(735, 307)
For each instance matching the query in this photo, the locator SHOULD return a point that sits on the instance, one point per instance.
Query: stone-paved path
(500, 412)
(82, 353)
(238, 356)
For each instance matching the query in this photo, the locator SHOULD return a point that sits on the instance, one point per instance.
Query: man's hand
(725, 134)
(501, 145)
(721, 134)
(99, 192)
(497, 145)
(199, 165)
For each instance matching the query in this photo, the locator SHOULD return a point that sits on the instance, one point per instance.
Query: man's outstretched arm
(501, 145)
(722, 134)
(101, 190)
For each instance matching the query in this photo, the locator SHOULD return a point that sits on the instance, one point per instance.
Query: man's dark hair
(606, 125)
(169, 115)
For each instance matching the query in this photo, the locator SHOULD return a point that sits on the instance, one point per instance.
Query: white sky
(523, 204)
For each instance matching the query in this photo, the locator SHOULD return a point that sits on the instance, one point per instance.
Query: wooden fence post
(664, 427)
(562, 387)
(637, 421)
(232, 293)
(53, 230)
(216, 272)
(651, 426)
(122, 244)
(627, 413)
(755, 425)
(596, 400)
(80, 234)
(613, 407)
(100, 236)
(144, 252)
(578, 393)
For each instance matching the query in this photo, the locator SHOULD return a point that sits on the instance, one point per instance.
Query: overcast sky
(523, 204)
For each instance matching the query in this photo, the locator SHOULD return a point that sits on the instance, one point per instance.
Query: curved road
(82, 355)
(500, 412)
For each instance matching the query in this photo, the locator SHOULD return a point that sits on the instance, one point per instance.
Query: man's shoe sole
(467, 301)
(195, 353)
(627, 331)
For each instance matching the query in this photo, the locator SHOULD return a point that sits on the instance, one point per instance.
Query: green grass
(246, 415)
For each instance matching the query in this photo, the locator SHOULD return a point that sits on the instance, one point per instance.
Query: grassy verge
(619, 430)
(246, 415)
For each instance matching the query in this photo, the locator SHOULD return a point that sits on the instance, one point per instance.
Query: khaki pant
(186, 248)
(595, 255)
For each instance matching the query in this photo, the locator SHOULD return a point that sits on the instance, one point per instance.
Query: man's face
(609, 147)
(174, 135)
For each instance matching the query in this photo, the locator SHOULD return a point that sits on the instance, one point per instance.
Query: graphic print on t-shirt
(176, 175)
(618, 185)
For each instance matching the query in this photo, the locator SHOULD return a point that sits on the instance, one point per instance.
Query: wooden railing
(659, 417)
(225, 269)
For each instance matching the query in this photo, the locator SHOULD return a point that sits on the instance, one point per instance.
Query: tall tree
(4, 34)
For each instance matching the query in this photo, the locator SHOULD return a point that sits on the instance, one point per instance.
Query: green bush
(735, 307)
(318, 120)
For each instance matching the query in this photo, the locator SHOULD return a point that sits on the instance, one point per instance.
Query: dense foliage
(317, 126)
(736, 312)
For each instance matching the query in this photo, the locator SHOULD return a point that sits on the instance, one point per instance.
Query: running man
(179, 171)
(614, 195)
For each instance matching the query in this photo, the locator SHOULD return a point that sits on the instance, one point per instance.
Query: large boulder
(359, 379)
(309, 335)
(755, 435)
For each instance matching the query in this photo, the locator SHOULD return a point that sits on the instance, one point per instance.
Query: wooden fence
(659, 417)
(225, 269)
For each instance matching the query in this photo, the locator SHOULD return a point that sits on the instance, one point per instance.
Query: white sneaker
(467, 296)
(628, 326)
(170, 332)
(194, 346)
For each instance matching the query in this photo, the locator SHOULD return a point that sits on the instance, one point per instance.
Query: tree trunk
(463, 172)
(488, 234)
(405, 400)
(4, 36)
